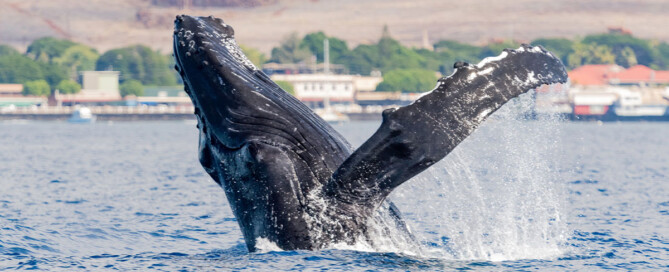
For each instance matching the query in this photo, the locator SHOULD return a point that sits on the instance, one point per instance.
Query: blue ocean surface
(516, 195)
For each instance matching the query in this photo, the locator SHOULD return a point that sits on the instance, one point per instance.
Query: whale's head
(202, 45)
(237, 105)
(208, 45)
(224, 86)
(216, 74)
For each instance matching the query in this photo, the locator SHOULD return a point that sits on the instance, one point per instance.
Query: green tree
(627, 58)
(461, 51)
(314, 43)
(125, 60)
(77, 58)
(559, 46)
(590, 54)
(157, 68)
(19, 69)
(362, 60)
(408, 80)
(61, 59)
(8, 50)
(663, 55)
(617, 43)
(53, 73)
(495, 48)
(449, 52)
(132, 87)
(139, 63)
(289, 51)
(387, 54)
(37, 88)
(394, 55)
(68, 86)
(431, 60)
(48, 48)
(254, 55)
(286, 86)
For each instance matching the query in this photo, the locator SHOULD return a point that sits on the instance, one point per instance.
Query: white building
(317, 88)
(100, 81)
(97, 87)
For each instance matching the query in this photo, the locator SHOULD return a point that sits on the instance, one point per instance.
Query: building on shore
(394, 99)
(302, 68)
(611, 74)
(11, 96)
(11, 90)
(640, 75)
(593, 74)
(317, 89)
(161, 95)
(607, 91)
(98, 88)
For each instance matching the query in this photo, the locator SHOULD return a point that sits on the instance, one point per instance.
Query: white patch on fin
(491, 59)
(486, 71)
(531, 78)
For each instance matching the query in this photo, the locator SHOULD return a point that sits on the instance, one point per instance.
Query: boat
(630, 105)
(82, 115)
(640, 110)
(330, 115)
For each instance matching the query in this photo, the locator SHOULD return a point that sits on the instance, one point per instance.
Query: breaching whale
(290, 177)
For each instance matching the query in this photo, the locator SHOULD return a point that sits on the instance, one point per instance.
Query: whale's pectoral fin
(414, 137)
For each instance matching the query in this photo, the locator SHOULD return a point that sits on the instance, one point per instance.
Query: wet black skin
(291, 178)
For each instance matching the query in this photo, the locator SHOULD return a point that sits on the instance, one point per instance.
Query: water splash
(264, 245)
(498, 195)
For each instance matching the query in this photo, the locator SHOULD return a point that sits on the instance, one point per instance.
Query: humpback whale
(290, 177)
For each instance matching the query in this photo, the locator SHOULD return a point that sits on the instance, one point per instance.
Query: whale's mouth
(206, 139)
(190, 55)
(211, 66)
(186, 54)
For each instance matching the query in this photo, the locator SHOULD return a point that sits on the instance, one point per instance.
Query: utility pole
(326, 54)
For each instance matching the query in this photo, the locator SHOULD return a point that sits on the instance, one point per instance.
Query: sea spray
(497, 196)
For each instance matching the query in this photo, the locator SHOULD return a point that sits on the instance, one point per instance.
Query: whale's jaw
(289, 176)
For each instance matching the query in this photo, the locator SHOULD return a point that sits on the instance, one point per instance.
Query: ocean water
(516, 195)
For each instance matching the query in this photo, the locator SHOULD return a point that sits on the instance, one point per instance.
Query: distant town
(613, 76)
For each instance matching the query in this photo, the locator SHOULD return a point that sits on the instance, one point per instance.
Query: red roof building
(609, 74)
(593, 74)
(640, 75)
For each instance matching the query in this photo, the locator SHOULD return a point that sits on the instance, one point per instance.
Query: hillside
(109, 24)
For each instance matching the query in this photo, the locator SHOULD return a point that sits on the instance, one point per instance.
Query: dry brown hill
(109, 24)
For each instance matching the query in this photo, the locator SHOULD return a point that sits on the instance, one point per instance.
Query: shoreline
(132, 117)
